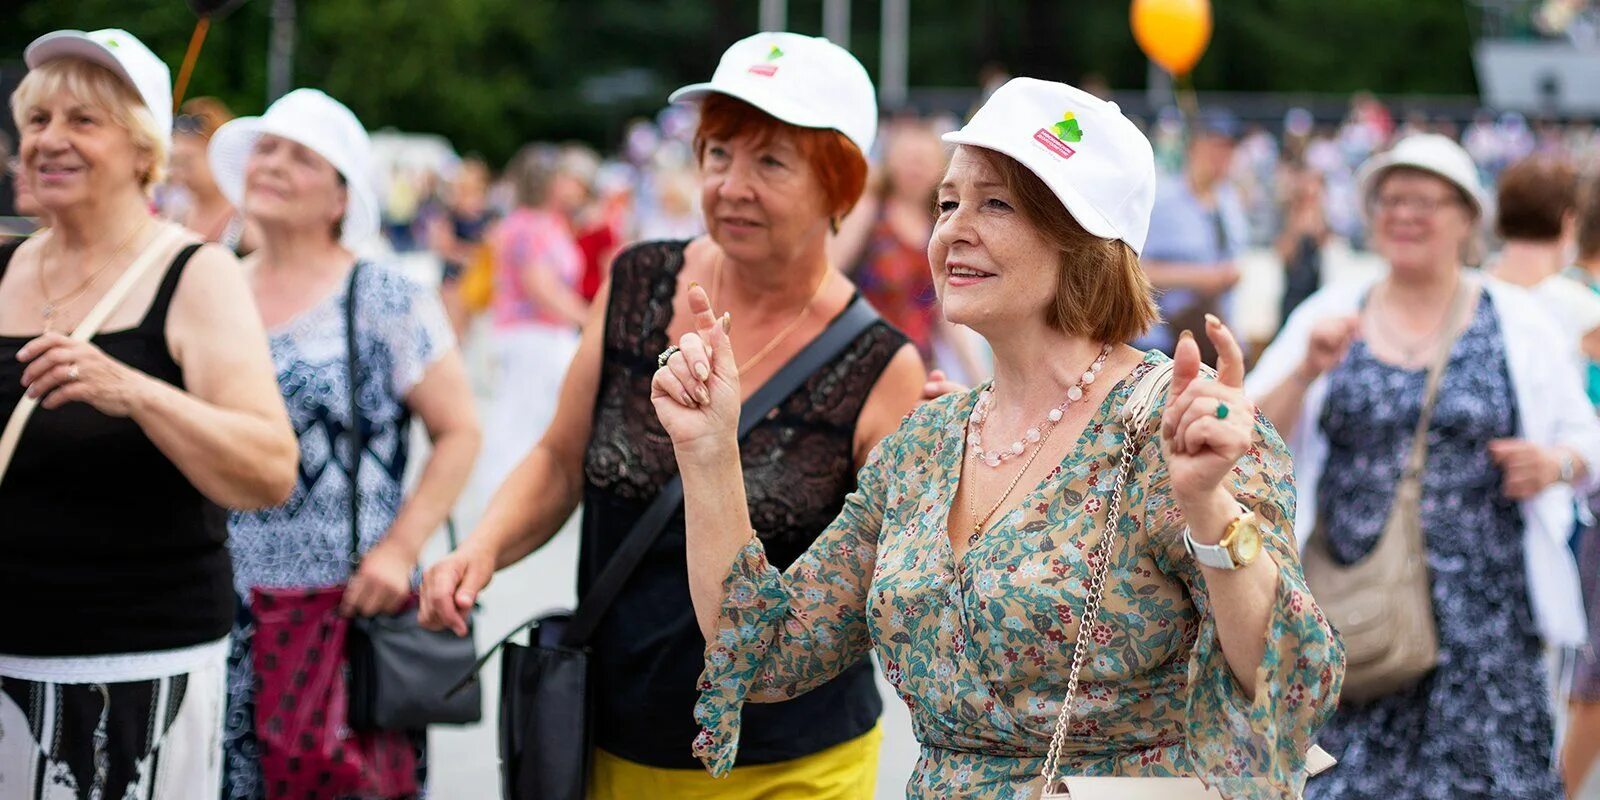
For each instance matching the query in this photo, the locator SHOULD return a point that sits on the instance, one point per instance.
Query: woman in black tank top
(771, 191)
(114, 567)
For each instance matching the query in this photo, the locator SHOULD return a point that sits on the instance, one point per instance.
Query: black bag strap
(844, 329)
(357, 438)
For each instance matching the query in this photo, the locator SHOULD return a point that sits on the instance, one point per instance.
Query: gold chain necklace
(978, 524)
(54, 306)
(805, 311)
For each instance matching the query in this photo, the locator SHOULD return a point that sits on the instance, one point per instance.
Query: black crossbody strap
(357, 441)
(840, 333)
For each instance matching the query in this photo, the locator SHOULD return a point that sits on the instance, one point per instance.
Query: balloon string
(1188, 100)
(195, 41)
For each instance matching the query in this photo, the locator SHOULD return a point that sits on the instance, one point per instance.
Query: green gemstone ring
(1222, 410)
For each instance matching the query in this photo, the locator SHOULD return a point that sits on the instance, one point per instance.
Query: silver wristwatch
(1567, 468)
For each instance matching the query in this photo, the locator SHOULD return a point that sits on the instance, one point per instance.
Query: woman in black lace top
(784, 125)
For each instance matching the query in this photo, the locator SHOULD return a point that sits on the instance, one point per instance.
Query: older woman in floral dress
(976, 545)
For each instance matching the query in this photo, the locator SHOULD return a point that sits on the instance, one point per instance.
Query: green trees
(490, 74)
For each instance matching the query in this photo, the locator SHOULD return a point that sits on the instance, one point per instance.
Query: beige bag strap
(1459, 302)
(85, 331)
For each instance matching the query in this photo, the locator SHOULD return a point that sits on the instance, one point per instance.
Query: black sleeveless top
(105, 547)
(798, 466)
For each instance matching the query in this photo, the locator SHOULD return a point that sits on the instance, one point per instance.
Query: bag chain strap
(1091, 611)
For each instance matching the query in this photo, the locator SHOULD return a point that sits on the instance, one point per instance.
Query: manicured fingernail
(727, 322)
(703, 396)
(702, 371)
(1211, 319)
(1187, 334)
(688, 401)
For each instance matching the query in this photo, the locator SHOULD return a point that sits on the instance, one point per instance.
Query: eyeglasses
(1420, 203)
(193, 125)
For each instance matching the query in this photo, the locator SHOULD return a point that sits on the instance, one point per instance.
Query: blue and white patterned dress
(1479, 726)
(401, 330)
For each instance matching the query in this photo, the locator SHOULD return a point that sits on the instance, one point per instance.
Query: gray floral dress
(1479, 726)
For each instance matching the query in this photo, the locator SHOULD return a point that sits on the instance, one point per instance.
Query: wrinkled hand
(381, 584)
(63, 370)
(939, 385)
(451, 587)
(1330, 342)
(1200, 448)
(1527, 468)
(697, 395)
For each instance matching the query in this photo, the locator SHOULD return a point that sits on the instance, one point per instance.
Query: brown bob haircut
(840, 166)
(1535, 195)
(1101, 290)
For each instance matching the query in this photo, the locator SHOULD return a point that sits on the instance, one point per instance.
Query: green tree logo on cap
(775, 54)
(1067, 130)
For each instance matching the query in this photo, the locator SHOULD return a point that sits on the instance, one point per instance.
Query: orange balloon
(1173, 33)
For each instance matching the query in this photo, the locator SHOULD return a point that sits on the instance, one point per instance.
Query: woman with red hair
(785, 123)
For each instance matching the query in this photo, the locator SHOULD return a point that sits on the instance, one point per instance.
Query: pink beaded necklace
(980, 415)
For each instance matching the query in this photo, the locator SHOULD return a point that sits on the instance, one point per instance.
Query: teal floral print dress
(980, 650)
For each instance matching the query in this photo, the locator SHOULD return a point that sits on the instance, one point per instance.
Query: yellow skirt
(846, 771)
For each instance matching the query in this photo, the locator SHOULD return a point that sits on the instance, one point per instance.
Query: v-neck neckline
(951, 474)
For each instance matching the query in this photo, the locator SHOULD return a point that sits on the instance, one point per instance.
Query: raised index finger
(700, 306)
(1230, 357)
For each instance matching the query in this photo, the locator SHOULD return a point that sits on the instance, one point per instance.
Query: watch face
(1247, 543)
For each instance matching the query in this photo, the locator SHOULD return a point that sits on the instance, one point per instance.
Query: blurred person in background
(457, 227)
(1302, 237)
(1510, 438)
(205, 211)
(1197, 232)
(536, 310)
(1536, 214)
(1582, 740)
(883, 243)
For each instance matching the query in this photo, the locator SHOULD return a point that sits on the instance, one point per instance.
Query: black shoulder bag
(545, 726)
(399, 670)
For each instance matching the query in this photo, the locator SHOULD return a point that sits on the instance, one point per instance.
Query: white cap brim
(769, 104)
(229, 150)
(1083, 211)
(78, 44)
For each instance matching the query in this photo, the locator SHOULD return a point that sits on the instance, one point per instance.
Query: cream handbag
(1057, 787)
(86, 331)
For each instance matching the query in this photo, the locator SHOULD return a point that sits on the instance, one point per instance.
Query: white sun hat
(1095, 160)
(805, 81)
(319, 122)
(1432, 153)
(123, 54)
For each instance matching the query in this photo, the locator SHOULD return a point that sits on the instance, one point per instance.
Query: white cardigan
(1551, 409)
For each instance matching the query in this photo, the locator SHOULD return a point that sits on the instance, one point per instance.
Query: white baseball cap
(1432, 153)
(123, 54)
(802, 80)
(325, 125)
(1095, 160)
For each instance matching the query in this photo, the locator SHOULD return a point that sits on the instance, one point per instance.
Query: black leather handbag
(400, 672)
(546, 733)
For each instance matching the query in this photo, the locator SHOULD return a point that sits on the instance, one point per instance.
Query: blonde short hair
(99, 87)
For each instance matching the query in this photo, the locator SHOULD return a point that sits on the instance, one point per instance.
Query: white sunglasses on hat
(1094, 159)
(805, 81)
(324, 125)
(123, 54)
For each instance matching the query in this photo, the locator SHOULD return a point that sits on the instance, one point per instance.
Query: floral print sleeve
(784, 634)
(1252, 747)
